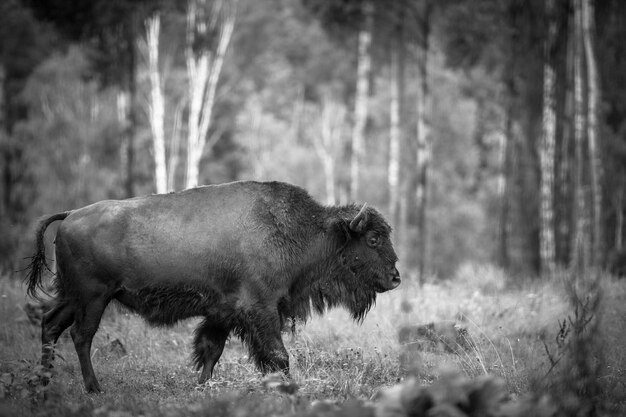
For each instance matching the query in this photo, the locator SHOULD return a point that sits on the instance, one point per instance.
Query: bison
(246, 256)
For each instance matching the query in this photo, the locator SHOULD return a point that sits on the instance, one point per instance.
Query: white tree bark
(174, 147)
(157, 104)
(579, 259)
(203, 68)
(364, 63)
(328, 140)
(122, 104)
(393, 172)
(595, 159)
(619, 220)
(547, 150)
(424, 150)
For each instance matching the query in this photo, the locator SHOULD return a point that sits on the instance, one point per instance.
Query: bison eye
(372, 241)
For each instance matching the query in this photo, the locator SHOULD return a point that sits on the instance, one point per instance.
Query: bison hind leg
(87, 321)
(209, 342)
(54, 322)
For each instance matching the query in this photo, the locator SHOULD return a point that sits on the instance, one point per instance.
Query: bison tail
(38, 260)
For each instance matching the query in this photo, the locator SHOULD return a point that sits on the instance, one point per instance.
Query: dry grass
(332, 358)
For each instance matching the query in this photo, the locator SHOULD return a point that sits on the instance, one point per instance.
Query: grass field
(535, 337)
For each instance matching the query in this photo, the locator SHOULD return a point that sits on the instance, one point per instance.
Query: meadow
(555, 345)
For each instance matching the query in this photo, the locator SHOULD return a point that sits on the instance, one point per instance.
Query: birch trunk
(4, 132)
(547, 149)
(203, 69)
(130, 106)
(364, 62)
(174, 147)
(565, 171)
(423, 143)
(580, 247)
(156, 106)
(619, 220)
(595, 159)
(332, 118)
(122, 119)
(508, 160)
(505, 189)
(3, 126)
(396, 82)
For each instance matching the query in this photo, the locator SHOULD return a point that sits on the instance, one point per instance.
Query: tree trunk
(5, 185)
(332, 118)
(157, 105)
(131, 106)
(579, 260)
(126, 117)
(619, 219)
(423, 142)
(174, 147)
(595, 157)
(203, 68)
(505, 189)
(122, 119)
(564, 190)
(364, 62)
(395, 129)
(509, 157)
(403, 238)
(482, 147)
(547, 148)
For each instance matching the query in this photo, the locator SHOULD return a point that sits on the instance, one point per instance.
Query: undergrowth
(563, 338)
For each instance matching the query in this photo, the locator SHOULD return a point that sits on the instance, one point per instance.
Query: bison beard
(246, 256)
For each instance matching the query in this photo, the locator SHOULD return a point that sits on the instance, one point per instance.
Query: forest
(491, 134)
(485, 131)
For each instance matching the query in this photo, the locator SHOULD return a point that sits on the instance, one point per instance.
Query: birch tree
(364, 63)
(174, 148)
(579, 258)
(564, 163)
(423, 155)
(618, 201)
(209, 30)
(129, 103)
(156, 105)
(328, 141)
(547, 147)
(595, 160)
(396, 81)
(505, 189)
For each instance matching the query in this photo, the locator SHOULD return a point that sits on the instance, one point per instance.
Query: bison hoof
(94, 388)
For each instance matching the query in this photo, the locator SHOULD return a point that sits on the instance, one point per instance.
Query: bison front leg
(209, 342)
(263, 336)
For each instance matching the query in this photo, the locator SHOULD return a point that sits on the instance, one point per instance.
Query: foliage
(456, 395)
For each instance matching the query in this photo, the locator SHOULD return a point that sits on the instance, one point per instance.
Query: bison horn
(358, 223)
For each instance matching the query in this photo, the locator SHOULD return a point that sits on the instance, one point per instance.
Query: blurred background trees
(485, 131)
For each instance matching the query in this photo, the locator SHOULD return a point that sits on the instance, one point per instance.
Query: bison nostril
(395, 277)
(395, 281)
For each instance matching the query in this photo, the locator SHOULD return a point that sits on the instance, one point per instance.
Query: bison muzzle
(245, 256)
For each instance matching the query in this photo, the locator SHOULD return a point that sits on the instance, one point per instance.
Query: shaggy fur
(246, 256)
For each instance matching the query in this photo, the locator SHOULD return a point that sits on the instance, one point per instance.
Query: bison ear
(360, 220)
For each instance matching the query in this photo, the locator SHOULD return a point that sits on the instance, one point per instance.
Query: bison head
(367, 259)
(368, 252)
